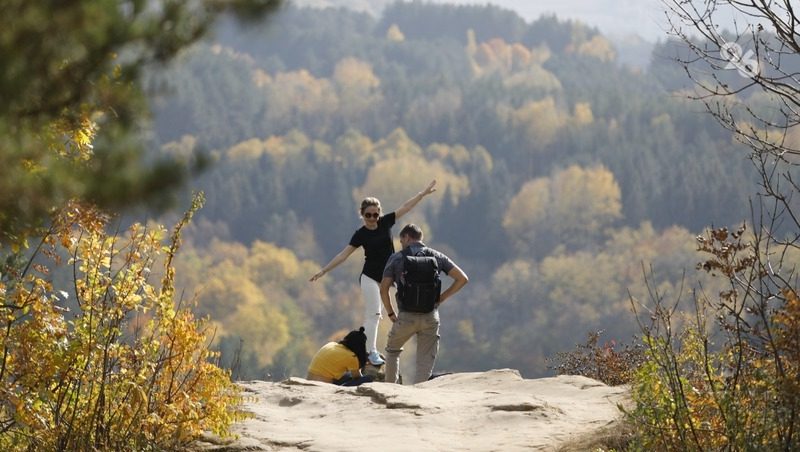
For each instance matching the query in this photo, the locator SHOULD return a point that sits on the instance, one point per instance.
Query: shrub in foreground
(112, 362)
(732, 383)
(612, 363)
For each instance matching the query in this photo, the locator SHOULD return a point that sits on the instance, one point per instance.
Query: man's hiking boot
(375, 358)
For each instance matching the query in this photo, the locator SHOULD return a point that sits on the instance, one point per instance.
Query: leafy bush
(742, 392)
(110, 363)
(611, 363)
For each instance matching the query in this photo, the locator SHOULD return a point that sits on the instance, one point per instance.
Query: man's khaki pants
(426, 327)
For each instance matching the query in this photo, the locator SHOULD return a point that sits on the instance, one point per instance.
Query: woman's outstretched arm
(408, 205)
(338, 259)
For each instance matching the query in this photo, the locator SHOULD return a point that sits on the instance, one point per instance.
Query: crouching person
(341, 362)
(415, 271)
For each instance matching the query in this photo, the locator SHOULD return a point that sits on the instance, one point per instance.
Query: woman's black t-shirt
(378, 245)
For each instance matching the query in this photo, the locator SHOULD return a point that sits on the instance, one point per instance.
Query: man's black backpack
(420, 287)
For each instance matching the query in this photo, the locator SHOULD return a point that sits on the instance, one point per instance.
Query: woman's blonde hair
(367, 202)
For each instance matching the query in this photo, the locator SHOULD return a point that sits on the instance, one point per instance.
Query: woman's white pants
(371, 293)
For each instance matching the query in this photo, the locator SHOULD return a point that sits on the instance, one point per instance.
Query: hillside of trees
(562, 173)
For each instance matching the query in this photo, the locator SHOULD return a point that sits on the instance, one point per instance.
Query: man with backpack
(415, 270)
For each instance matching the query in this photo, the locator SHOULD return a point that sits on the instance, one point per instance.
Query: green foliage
(71, 103)
(114, 362)
(427, 21)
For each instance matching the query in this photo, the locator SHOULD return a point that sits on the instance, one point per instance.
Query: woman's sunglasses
(371, 215)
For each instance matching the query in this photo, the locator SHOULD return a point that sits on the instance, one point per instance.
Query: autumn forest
(173, 175)
(563, 176)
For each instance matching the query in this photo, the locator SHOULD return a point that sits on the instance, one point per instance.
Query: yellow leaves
(261, 78)
(520, 66)
(352, 91)
(394, 34)
(263, 326)
(116, 73)
(520, 57)
(589, 196)
(540, 121)
(787, 139)
(791, 139)
(397, 144)
(299, 92)
(16, 247)
(662, 121)
(496, 55)
(699, 395)
(792, 300)
(458, 155)
(790, 314)
(247, 293)
(251, 149)
(529, 206)
(280, 148)
(73, 138)
(83, 137)
(573, 281)
(466, 330)
(223, 292)
(583, 114)
(77, 214)
(597, 47)
(357, 86)
(182, 150)
(354, 76)
(269, 263)
(572, 204)
(787, 331)
(154, 381)
(32, 166)
(354, 147)
(394, 180)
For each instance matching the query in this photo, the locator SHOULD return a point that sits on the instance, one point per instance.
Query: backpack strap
(424, 251)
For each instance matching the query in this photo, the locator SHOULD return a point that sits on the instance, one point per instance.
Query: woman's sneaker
(375, 358)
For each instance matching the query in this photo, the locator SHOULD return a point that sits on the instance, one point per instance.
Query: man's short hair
(412, 231)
